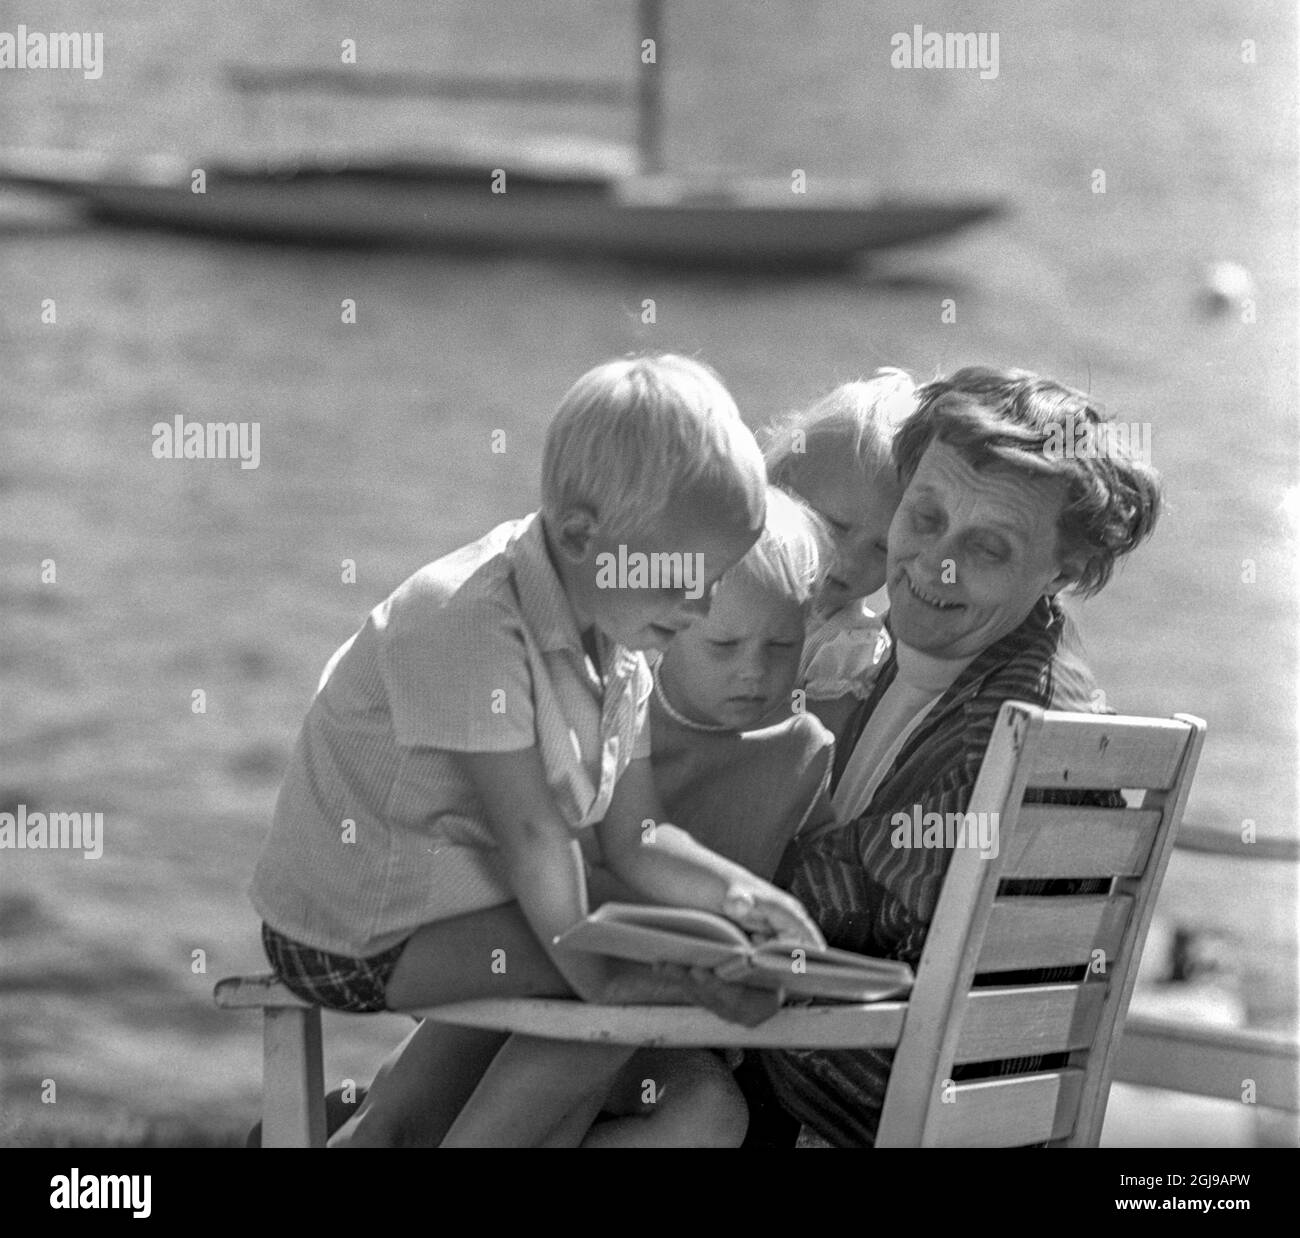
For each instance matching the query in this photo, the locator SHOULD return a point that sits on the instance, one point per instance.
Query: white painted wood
(1008, 1113)
(936, 1008)
(1028, 1019)
(1054, 841)
(1052, 932)
(1210, 841)
(1171, 798)
(828, 1026)
(293, 1082)
(1211, 1061)
(945, 1021)
(974, 930)
(1097, 750)
(256, 993)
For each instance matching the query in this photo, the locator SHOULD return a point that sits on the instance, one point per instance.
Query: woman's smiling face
(970, 553)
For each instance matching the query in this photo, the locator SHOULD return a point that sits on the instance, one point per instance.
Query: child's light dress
(843, 654)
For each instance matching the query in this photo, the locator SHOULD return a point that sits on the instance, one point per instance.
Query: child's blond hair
(631, 436)
(862, 415)
(793, 553)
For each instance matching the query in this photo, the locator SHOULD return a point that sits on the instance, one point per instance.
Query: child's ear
(575, 530)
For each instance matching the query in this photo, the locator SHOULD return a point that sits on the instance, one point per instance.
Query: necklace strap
(676, 715)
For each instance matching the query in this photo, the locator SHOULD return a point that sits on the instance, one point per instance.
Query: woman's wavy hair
(1016, 420)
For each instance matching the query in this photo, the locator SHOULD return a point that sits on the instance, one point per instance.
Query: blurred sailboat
(575, 199)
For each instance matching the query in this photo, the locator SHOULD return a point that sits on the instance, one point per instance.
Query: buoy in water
(1225, 286)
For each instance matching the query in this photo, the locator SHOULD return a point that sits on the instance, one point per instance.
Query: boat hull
(457, 208)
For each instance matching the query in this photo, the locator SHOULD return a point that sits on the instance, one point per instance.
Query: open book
(701, 939)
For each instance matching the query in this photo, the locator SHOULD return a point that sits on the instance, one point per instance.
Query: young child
(741, 770)
(737, 764)
(835, 455)
(425, 847)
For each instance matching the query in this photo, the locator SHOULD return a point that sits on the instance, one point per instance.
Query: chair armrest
(828, 1026)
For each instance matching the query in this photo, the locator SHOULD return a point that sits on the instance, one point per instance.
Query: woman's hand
(737, 1003)
(767, 912)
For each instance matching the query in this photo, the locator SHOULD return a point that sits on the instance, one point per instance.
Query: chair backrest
(1030, 959)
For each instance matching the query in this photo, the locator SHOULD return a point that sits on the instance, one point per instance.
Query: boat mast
(650, 127)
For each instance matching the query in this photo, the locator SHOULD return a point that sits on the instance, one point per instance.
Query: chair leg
(293, 1079)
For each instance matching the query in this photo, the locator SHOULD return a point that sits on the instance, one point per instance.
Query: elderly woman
(1001, 511)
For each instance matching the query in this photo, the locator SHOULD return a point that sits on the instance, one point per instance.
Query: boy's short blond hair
(863, 416)
(793, 553)
(631, 436)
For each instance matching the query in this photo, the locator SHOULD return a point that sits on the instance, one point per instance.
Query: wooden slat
(1106, 752)
(949, 961)
(1052, 932)
(1008, 1113)
(1211, 1061)
(831, 1026)
(293, 1079)
(1052, 841)
(1006, 1023)
(1211, 841)
(255, 993)
(1123, 971)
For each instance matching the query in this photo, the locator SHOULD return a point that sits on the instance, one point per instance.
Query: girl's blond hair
(793, 553)
(862, 415)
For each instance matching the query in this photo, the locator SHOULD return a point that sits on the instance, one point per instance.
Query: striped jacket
(877, 899)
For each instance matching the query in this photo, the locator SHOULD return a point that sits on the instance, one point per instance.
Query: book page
(648, 934)
(686, 921)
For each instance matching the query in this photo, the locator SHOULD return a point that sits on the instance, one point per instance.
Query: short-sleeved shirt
(377, 829)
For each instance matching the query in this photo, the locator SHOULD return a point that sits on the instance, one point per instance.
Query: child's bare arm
(666, 864)
(543, 858)
(545, 867)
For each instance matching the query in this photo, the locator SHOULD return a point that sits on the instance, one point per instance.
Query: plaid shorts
(334, 981)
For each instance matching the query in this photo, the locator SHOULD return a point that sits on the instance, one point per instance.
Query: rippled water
(174, 577)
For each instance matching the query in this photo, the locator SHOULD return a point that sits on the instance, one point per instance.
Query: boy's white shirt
(398, 702)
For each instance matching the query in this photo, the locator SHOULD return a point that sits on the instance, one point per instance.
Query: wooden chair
(976, 1006)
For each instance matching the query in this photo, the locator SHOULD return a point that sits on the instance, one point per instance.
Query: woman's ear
(574, 532)
(1071, 568)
